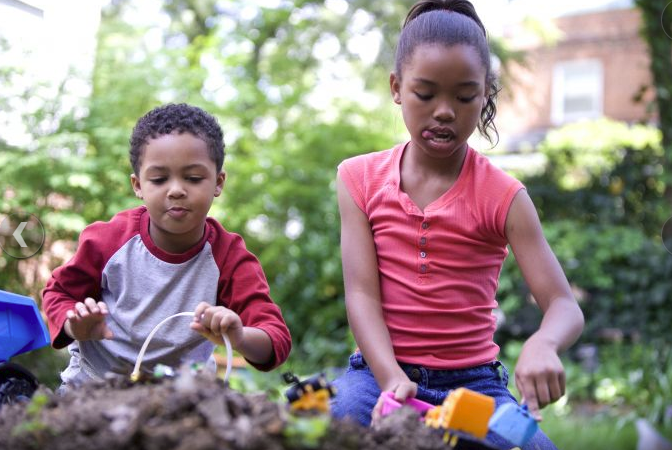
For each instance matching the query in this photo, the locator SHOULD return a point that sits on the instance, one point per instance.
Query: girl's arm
(539, 374)
(362, 298)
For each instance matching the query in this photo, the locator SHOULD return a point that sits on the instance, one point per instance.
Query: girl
(424, 232)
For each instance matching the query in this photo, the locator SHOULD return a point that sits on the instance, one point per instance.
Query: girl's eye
(466, 99)
(423, 97)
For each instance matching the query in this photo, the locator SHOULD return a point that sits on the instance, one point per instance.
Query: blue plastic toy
(21, 330)
(513, 423)
(21, 326)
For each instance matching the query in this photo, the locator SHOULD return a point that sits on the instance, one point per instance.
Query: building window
(577, 91)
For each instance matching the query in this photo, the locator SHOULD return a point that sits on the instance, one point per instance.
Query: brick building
(595, 68)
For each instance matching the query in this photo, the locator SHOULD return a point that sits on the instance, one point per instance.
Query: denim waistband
(427, 377)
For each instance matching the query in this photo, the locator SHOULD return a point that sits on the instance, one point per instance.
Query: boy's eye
(423, 97)
(157, 180)
(195, 179)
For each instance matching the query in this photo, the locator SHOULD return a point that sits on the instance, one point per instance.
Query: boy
(163, 258)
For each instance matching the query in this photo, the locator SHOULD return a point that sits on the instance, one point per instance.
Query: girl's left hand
(539, 375)
(212, 321)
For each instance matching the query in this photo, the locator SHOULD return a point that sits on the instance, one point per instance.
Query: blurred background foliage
(600, 195)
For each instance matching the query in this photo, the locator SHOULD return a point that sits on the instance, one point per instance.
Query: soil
(193, 411)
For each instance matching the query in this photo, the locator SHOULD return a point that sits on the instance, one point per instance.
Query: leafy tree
(262, 72)
(657, 33)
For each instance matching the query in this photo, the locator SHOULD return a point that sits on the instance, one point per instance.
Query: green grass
(594, 433)
(601, 430)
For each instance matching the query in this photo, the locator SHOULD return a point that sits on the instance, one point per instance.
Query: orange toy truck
(463, 410)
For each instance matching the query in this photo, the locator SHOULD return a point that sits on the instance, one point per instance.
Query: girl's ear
(395, 88)
(221, 177)
(135, 183)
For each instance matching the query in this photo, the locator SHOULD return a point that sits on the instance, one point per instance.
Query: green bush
(602, 208)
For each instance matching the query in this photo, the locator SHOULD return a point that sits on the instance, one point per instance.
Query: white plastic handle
(229, 351)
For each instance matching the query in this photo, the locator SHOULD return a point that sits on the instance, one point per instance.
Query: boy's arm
(253, 343)
(539, 374)
(73, 282)
(244, 290)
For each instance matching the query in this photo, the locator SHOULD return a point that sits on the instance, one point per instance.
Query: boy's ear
(135, 183)
(395, 88)
(221, 177)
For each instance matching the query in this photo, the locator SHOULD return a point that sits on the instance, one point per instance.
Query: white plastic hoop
(229, 351)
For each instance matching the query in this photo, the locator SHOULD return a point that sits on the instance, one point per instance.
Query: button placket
(423, 265)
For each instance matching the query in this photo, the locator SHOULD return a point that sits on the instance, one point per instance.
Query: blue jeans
(357, 392)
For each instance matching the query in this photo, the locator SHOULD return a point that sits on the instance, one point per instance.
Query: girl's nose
(444, 112)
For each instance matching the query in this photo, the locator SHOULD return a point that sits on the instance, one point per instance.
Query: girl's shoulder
(485, 171)
(373, 165)
(370, 160)
(365, 175)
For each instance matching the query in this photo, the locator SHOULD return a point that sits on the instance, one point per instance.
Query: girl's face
(178, 182)
(442, 91)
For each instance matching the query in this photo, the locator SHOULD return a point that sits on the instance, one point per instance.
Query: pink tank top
(438, 268)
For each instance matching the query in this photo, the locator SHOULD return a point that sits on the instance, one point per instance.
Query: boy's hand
(211, 321)
(540, 376)
(86, 322)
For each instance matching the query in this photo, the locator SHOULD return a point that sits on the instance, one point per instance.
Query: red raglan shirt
(116, 262)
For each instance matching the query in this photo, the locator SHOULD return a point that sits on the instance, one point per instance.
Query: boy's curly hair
(180, 118)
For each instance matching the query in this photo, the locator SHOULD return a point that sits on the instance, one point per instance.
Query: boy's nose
(176, 190)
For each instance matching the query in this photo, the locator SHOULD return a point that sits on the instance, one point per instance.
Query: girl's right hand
(402, 390)
(86, 322)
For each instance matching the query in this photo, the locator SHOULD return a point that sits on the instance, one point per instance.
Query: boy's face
(178, 182)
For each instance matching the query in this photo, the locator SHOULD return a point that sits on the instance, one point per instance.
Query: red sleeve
(71, 283)
(80, 277)
(243, 289)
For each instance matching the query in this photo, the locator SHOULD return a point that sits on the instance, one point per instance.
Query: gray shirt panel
(140, 291)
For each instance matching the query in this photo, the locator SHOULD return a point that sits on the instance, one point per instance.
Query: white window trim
(33, 7)
(558, 114)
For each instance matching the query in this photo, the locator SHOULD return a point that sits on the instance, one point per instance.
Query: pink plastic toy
(390, 404)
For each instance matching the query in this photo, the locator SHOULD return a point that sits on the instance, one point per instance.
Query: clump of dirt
(193, 411)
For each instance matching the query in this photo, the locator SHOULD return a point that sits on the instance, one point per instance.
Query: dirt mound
(194, 412)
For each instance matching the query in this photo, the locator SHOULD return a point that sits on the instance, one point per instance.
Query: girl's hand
(539, 374)
(403, 389)
(212, 321)
(86, 322)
